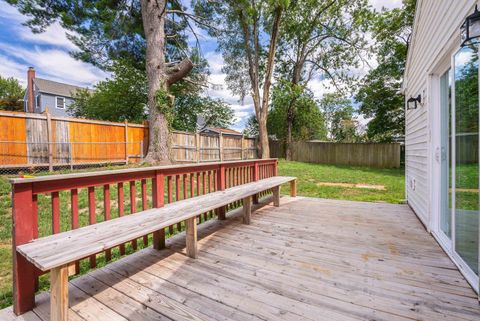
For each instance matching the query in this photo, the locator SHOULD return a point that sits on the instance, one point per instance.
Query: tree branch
(179, 71)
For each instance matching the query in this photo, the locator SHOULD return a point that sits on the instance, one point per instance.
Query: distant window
(37, 101)
(60, 102)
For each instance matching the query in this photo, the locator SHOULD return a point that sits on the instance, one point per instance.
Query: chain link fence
(33, 157)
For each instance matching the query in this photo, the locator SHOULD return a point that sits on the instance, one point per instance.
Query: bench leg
(276, 196)
(159, 239)
(247, 209)
(293, 188)
(255, 199)
(191, 230)
(59, 294)
(221, 213)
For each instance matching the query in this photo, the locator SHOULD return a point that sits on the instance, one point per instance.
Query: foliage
(379, 95)
(215, 112)
(247, 33)
(309, 122)
(11, 94)
(339, 115)
(251, 127)
(123, 97)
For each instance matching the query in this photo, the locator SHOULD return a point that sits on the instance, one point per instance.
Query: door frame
(434, 116)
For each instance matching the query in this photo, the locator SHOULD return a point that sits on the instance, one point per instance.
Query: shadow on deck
(310, 259)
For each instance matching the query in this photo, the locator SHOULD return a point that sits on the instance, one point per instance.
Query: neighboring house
(42, 94)
(223, 131)
(442, 145)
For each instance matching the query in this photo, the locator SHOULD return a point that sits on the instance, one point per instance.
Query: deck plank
(309, 259)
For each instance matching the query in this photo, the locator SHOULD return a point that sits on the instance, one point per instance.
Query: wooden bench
(57, 252)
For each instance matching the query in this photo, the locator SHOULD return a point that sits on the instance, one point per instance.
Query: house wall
(48, 100)
(436, 36)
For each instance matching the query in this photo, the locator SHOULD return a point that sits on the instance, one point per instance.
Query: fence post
(126, 141)
(220, 146)
(50, 140)
(197, 146)
(25, 227)
(71, 155)
(241, 152)
(221, 187)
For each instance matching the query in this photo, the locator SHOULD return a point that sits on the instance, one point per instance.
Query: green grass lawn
(310, 178)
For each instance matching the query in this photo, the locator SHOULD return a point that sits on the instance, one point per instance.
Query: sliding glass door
(444, 156)
(465, 179)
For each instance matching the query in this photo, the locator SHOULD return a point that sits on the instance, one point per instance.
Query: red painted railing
(154, 186)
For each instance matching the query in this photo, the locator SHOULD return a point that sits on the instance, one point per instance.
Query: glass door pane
(466, 156)
(444, 155)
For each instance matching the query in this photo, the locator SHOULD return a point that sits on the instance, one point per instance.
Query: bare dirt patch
(350, 185)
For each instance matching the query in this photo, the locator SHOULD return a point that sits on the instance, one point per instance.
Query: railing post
(25, 229)
(157, 194)
(221, 187)
(275, 168)
(256, 177)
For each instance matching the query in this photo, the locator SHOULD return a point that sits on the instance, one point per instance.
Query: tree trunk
(263, 137)
(153, 16)
(288, 143)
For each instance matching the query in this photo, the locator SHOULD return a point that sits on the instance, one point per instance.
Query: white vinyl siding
(436, 23)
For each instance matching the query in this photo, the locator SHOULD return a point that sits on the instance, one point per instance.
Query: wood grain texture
(352, 261)
(59, 294)
(59, 249)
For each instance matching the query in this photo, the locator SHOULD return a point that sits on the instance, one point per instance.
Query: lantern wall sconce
(412, 102)
(470, 30)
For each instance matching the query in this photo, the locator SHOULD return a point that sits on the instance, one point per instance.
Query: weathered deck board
(309, 259)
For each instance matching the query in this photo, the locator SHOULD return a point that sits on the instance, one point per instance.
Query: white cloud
(389, 4)
(56, 64)
(54, 35)
(10, 68)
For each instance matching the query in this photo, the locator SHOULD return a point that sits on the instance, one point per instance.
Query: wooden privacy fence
(52, 204)
(41, 140)
(191, 147)
(356, 154)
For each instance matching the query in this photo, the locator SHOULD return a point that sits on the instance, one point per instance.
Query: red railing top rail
(140, 170)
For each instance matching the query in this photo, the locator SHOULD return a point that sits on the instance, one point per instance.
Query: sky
(49, 51)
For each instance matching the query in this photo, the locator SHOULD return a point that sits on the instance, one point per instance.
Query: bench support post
(159, 239)
(247, 209)
(276, 196)
(59, 294)
(293, 188)
(191, 231)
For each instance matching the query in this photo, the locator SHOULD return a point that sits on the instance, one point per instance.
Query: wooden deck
(310, 259)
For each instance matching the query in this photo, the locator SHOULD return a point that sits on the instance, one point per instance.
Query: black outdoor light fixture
(470, 29)
(412, 102)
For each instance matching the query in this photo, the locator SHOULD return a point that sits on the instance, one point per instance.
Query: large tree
(380, 95)
(150, 33)
(11, 94)
(309, 122)
(323, 39)
(247, 33)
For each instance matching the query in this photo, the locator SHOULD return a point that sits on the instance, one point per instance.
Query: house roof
(223, 130)
(56, 88)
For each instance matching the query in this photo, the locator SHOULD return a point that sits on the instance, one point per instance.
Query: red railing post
(25, 227)
(221, 181)
(256, 177)
(275, 168)
(157, 190)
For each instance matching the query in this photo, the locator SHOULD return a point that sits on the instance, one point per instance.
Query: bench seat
(64, 248)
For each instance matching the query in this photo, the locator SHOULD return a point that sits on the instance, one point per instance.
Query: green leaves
(11, 94)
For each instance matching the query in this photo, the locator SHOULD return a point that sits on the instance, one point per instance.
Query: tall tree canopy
(323, 39)
(247, 33)
(309, 122)
(339, 116)
(380, 95)
(11, 94)
(150, 33)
